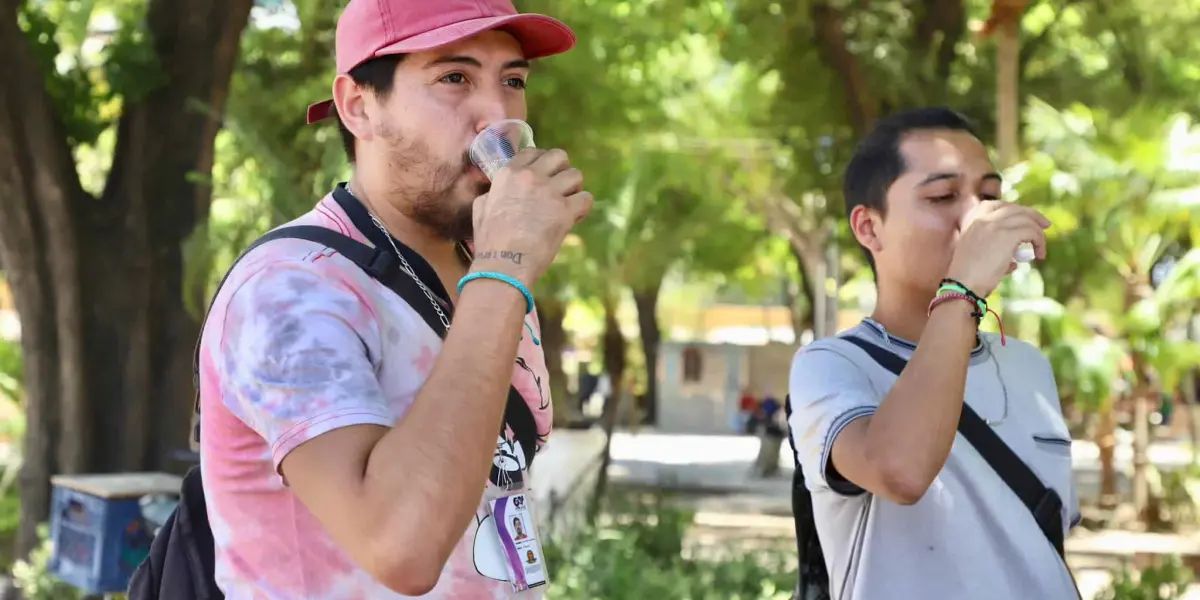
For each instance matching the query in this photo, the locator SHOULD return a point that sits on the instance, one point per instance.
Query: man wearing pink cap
(353, 443)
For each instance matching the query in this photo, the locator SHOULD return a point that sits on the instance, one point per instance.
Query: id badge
(512, 515)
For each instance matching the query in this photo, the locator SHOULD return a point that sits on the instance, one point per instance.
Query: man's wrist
(956, 314)
(968, 283)
(509, 262)
(497, 292)
(505, 278)
(959, 306)
(519, 272)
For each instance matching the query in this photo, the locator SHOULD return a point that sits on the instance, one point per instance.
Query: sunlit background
(144, 143)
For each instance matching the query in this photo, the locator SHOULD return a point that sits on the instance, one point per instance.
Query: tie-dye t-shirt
(364, 355)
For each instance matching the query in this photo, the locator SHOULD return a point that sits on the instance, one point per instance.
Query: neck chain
(437, 306)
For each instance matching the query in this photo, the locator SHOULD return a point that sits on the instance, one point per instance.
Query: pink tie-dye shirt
(299, 342)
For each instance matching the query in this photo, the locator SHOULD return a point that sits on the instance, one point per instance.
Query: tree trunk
(614, 365)
(799, 316)
(1106, 443)
(802, 320)
(1191, 403)
(813, 264)
(1142, 396)
(831, 286)
(647, 313)
(551, 312)
(1008, 52)
(97, 281)
(1144, 393)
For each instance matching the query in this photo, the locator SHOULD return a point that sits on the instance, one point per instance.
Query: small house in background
(702, 372)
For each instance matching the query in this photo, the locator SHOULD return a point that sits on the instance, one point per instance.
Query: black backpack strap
(382, 265)
(800, 495)
(1044, 503)
(798, 484)
(813, 575)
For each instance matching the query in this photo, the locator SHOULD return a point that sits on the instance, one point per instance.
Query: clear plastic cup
(496, 145)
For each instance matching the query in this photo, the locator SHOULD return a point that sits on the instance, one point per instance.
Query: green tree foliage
(1122, 193)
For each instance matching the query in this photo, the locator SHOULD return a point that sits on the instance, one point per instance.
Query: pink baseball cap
(370, 28)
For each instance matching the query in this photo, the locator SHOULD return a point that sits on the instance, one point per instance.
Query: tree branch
(1129, 50)
(1030, 48)
(317, 28)
(943, 21)
(830, 29)
(953, 28)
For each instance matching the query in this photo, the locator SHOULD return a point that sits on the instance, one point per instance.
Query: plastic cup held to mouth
(495, 146)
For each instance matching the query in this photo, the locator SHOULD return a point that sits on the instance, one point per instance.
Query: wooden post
(1005, 20)
(1008, 118)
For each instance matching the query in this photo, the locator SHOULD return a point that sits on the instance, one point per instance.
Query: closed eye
(950, 197)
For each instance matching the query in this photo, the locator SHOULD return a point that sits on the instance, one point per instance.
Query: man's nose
(969, 203)
(488, 109)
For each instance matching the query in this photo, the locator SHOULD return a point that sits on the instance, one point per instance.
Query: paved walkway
(715, 472)
(721, 464)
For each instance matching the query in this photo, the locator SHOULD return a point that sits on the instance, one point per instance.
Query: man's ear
(351, 103)
(866, 224)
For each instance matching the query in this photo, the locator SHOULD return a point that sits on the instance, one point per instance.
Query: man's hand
(534, 202)
(985, 251)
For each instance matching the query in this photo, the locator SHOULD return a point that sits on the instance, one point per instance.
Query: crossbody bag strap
(1044, 504)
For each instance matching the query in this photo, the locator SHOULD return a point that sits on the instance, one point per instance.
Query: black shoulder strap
(381, 264)
(1043, 502)
(798, 484)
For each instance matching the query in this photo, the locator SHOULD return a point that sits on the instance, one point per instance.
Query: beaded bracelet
(953, 290)
(510, 280)
(946, 296)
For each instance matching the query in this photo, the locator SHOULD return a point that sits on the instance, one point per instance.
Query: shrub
(641, 554)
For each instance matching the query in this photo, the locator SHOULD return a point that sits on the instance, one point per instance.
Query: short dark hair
(377, 75)
(877, 162)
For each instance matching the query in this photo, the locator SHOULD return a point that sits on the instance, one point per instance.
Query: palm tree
(1122, 194)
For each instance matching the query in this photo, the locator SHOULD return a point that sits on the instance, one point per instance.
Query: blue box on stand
(97, 530)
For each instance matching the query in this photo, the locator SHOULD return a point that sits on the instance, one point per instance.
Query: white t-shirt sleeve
(294, 356)
(827, 392)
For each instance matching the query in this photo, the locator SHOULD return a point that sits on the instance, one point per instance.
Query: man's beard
(427, 196)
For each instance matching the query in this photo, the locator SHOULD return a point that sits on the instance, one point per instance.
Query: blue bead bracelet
(499, 277)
